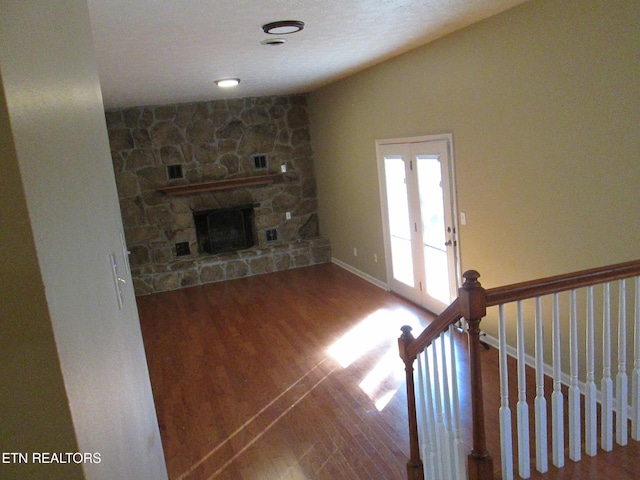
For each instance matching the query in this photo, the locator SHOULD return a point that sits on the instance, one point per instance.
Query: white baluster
(427, 421)
(506, 440)
(540, 403)
(557, 398)
(606, 384)
(421, 413)
(524, 463)
(622, 382)
(441, 436)
(590, 388)
(458, 444)
(635, 379)
(446, 408)
(575, 436)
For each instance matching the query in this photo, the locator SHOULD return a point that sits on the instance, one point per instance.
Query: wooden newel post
(473, 306)
(415, 469)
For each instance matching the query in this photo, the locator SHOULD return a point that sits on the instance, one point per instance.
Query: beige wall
(74, 375)
(33, 407)
(543, 104)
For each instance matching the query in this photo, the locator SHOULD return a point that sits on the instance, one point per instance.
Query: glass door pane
(433, 228)
(419, 225)
(399, 222)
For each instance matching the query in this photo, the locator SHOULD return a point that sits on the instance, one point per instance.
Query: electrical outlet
(283, 168)
(288, 215)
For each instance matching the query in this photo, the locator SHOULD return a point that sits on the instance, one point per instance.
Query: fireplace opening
(224, 229)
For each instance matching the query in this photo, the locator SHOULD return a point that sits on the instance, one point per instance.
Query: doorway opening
(417, 190)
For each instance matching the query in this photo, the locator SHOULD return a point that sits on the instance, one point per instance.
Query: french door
(418, 198)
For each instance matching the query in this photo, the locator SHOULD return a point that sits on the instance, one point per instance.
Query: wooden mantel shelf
(191, 188)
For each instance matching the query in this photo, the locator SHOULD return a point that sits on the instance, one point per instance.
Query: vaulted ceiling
(152, 52)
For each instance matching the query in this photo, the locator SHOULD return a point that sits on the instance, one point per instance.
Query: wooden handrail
(561, 283)
(448, 317)
(471, 304)
(522, 291)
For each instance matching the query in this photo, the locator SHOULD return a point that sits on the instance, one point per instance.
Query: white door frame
(448, 138)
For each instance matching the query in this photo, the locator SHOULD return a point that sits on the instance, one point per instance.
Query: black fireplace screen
(224, 230)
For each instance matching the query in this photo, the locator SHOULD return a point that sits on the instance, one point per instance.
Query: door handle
(448, 243)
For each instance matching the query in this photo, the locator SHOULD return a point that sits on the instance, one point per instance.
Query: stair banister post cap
(471, 279)
(403, 342)
(472, 297)
(406, 329)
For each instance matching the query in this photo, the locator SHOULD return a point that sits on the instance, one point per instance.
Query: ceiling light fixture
(227, 82)
(273, 41)
(283, 27)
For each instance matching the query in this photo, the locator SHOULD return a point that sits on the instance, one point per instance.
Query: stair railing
(472, 304)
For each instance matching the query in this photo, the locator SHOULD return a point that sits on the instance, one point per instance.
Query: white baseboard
(355, 271)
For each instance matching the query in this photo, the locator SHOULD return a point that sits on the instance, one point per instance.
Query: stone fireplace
(182, 168)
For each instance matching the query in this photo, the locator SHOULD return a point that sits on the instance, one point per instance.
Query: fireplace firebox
(224, 229)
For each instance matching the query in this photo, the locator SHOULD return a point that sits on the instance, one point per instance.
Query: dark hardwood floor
(245, 387)
(296, 375)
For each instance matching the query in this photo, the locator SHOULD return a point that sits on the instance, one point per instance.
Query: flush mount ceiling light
(283, 27)
(227, 82)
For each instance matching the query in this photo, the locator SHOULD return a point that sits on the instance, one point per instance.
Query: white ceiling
(154, 52)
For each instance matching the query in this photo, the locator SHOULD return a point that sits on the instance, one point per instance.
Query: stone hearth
(208, 141)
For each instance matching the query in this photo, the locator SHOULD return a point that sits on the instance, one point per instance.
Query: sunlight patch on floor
(381, 329)
(382, 381)
(387, 365)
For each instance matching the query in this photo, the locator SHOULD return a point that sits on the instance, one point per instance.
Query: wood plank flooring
(245, 387)
(295, 375)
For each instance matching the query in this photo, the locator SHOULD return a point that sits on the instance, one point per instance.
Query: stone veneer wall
(212, 141)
